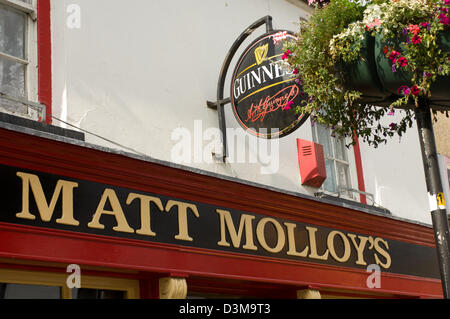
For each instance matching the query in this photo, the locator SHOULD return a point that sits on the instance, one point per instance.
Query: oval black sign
(261, 88)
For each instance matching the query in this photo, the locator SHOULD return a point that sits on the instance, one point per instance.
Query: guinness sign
(262, 88)
(44, 200)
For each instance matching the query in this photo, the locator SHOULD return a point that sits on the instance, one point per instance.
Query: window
(28, 284)
(21, 291)
(18, 51)
(336, 161)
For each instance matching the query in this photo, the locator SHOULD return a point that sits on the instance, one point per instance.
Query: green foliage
(335, 34)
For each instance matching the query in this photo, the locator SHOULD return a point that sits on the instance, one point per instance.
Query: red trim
(232, 287)
(33, 243)
(149, 287)
(44, 44)
(359, 171)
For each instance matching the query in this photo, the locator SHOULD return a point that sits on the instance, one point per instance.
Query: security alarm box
(311, 161)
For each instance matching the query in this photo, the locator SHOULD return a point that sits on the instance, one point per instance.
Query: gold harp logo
(261, 53)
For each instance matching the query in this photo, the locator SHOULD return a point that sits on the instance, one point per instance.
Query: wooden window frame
(53, 279)
(31, 56)
(349, 163)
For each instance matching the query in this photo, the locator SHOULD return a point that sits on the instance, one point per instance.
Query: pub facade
(128, 172)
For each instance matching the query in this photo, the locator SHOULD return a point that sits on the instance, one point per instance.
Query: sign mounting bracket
(221, 102)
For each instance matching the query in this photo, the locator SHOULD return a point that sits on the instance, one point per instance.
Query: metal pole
(435, 191)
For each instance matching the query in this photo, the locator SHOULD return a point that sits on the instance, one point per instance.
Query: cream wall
(394, 173)
(442, 133)
(137, 70)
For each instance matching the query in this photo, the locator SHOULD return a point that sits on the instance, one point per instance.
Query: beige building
(442, 135)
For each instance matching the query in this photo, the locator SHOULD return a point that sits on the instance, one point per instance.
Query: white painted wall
(394, 173)
(137, 70)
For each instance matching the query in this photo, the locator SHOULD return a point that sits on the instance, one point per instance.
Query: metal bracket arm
(221, 102)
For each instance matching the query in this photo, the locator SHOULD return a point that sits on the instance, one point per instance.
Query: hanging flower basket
(393, 78)
(355, 78)
(361, 75)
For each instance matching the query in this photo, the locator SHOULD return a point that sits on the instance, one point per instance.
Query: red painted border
(44, 46)
(33, 243)
(359, 171)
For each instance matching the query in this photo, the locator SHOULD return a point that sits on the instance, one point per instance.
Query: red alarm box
(311, 161)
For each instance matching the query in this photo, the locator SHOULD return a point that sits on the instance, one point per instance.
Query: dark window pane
(330, 183)
(324, 138)
(12, 32)
(206, 295)
(12, 78)
(86, 293)
(19, 291)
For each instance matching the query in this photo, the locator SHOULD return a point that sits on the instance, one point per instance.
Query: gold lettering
(359, 248)
(281, 240)
(46, 210)
(330, 244)
(291, 242)
(182, 218)
(117, 212)
(313, 245)
(383, 252)
(145, 211)
(245, 222)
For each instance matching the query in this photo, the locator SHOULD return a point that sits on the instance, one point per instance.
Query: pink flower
(403, 90)
(286, 54)
(393, 56)
(375, 23)
(402, 62)
(414, 29)
(416, 39)
(425, 25)
(298, 81)
(444, 19)
(415, 90)
(295, 71)
(289, 105)
(393, 126)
